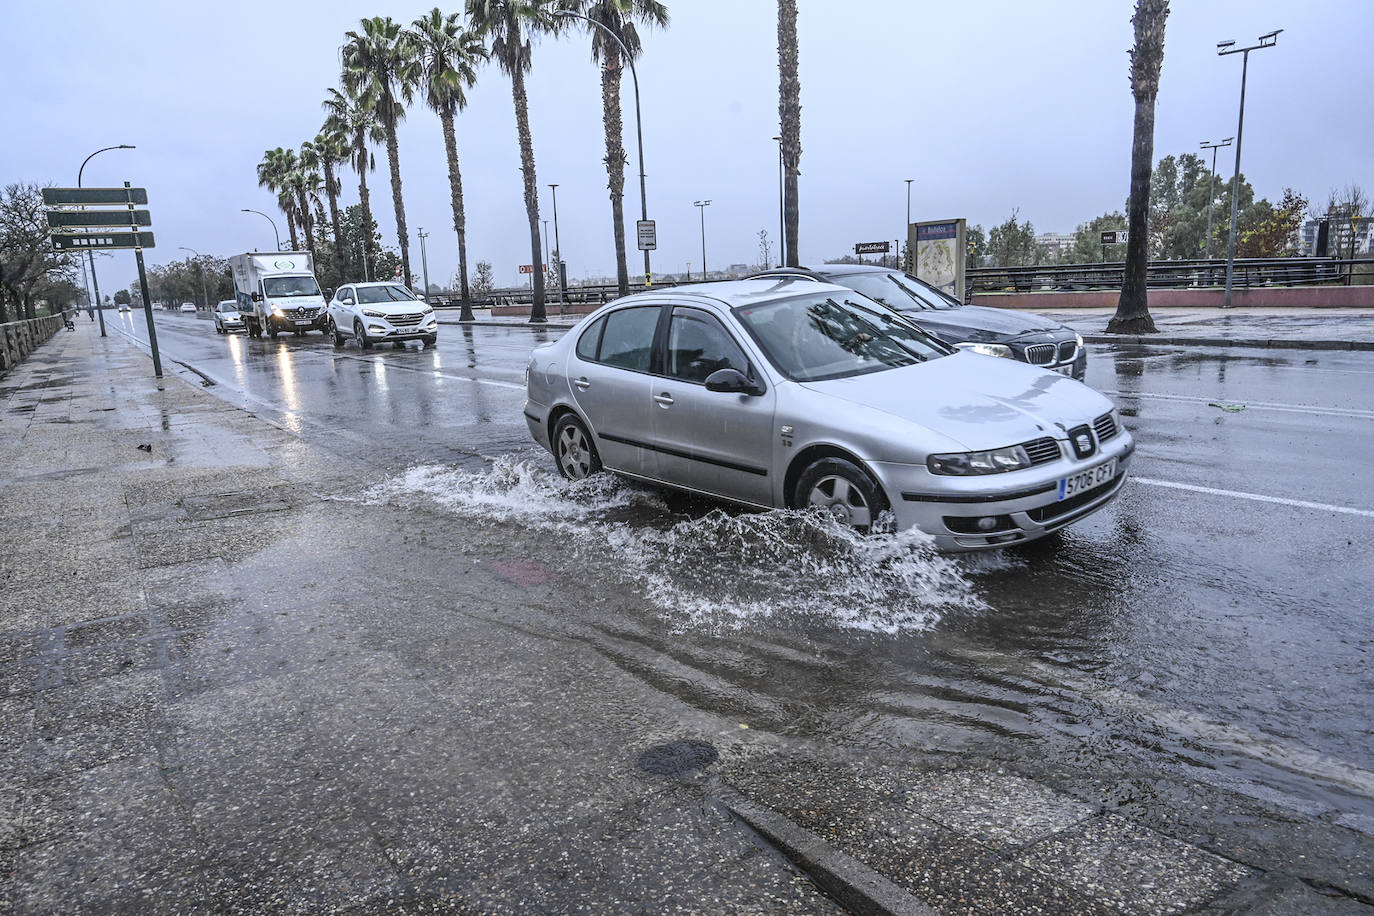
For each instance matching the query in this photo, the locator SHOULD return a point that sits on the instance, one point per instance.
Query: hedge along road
(1210, 628)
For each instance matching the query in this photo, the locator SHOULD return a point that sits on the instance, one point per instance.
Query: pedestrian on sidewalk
(90, 311)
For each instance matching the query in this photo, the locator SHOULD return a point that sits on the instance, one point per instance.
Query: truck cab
(277, 292)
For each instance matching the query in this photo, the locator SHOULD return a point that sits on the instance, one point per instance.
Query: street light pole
(424, 260)
(90, 256)
(702, 205)
(906, 233)
(200, 268)
(1211, 188)
(1223, 48)
(274, 229)
(782, 235)
(639, 124)
(558, 251)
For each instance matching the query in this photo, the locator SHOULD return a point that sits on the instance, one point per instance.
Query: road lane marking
(436, 374)
(1256, 497)
(1352, 412)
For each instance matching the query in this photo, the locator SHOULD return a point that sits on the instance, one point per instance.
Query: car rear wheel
(361, 336)
(573, 449)
(842, 489)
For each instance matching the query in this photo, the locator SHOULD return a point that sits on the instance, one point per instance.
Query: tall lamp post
(782, 197)
(906, 233)
(200, 268)
(639, 124)
(424, 260)
(90, 256)
(702, 205)
(1212, 188)
(1267, 40)
(270, 220)
(558, 250)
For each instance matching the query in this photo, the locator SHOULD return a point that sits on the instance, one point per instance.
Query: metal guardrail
(1249, 272)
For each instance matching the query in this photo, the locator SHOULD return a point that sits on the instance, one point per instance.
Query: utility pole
(1211, 189)
(558, 252)
(702, 205)
(90, 256)
(424, 260)
(906, 232)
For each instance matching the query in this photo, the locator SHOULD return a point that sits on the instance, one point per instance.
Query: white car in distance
(380, 312)
(227, 317)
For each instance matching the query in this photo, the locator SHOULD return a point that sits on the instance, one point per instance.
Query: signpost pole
(147, 302)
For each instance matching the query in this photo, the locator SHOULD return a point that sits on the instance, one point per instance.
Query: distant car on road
(379, 312)
(227, 317)
(1012, 334)
(124, 307)
(791, 393)
(188, 306)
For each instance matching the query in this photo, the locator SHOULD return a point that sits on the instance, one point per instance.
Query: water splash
(720, 570)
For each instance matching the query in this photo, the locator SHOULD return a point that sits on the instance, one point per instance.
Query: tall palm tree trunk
(460, 224)
(522, 126)
(611, 72)
(393, 155)
(291, 227)
(365, 201)
(789, 112)
(1147, 57)
(334, 215)
(307, 226)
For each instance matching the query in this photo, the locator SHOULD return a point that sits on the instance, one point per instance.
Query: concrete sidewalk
(223, 688)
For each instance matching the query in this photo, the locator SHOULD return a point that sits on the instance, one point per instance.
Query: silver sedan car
(785, 393)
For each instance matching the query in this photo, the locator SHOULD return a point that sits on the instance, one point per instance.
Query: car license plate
(1086, 480)
(304, 321)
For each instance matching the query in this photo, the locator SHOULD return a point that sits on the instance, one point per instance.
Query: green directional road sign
(99, 219)
(94, 197)
(100, 241)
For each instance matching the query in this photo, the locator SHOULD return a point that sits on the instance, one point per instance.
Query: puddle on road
(717, 570)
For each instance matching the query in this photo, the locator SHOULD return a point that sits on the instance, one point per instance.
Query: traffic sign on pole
(94, 197)
(872, 247)
(101, 219)
(101, 241)
(647, 231)
(1119, 237)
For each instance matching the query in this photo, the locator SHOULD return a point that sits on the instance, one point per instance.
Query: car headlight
(368, 313)
(994, 461)
(1079, 339)
(427, 311)
(276, 310)
(988, 349)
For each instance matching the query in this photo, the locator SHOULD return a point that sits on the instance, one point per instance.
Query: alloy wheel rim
(572, 453)
(842, 500)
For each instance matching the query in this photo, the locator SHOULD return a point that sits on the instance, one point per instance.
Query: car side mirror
(347, 300)
(732, 381)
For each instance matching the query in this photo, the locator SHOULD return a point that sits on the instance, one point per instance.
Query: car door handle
(582, 383)
(665, 399)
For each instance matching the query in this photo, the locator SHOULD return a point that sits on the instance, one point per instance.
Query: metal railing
(1249, 272)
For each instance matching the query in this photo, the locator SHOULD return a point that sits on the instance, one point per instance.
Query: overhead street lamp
(702, 205)
(558, 250)
(90, 256)
(200, 268)
(782, 235)
(1267, 40)
(1211, 187)
(639, 124)
(424, 260)
(274, 227)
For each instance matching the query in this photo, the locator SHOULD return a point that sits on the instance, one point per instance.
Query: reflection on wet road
(1213, 623)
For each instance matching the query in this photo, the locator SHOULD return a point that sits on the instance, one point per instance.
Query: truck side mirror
(257, 297)
(329, 293)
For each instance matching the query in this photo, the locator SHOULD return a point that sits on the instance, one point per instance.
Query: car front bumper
(388, 331)
(1024, 505)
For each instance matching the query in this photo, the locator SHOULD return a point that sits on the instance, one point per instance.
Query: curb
(1264, 343)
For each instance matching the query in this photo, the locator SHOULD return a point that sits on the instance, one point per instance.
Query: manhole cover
(227, 505)
(678, 758)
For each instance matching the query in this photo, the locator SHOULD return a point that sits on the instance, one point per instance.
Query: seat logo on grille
(1084, 442)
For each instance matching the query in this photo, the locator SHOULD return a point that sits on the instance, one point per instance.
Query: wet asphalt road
(1213, 624)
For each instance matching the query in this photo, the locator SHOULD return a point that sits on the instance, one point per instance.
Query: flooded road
(1211, 627)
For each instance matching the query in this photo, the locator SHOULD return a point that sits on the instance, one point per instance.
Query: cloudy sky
(991, 107)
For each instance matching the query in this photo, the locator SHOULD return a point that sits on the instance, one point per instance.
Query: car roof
(377, 283)
(826, 270)
(750, 291)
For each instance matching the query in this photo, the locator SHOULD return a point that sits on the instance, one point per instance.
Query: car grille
(1040, 354)
(1067, 351)
(1105, 427)
(403, 321)
(1041, 451)
(299, 313)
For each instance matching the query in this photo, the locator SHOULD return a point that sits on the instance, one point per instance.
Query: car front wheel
(573, 449)
(361, 335)
(842, 489)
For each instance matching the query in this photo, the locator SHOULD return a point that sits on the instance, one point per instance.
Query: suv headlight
(368, 313)
(965, 464)
(988, 349)
(427, 311)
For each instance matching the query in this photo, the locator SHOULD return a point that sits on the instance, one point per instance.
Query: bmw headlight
(371, 314)
(965, 464)
(1079, 339)
(988, 349)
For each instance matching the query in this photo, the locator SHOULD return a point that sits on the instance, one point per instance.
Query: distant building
(1338, 236)
(1054, 243)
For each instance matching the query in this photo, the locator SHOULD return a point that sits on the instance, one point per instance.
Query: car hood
(981, 402)
(982, 324)
(394, 308)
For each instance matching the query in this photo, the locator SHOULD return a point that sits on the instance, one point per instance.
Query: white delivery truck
(277, 291)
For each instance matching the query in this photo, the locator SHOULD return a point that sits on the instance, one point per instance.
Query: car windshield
(282, 287)
(373, 294)
(228, 306)
(811, 338)
(899, 290)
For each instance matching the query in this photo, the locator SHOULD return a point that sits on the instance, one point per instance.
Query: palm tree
(789, 112)
(508, 23)
(446, 66)
(273, 173)
(304, 183)
(1133, 308)
(375, 62)
(619, 16)
(329, 148)
(348, 115)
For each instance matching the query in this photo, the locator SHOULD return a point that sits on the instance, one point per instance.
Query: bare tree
(1147, 57)
(27, 258)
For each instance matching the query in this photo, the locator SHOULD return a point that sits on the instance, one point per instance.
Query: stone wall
(20, 338)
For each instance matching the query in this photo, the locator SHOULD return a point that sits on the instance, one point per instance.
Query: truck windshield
(281, 287)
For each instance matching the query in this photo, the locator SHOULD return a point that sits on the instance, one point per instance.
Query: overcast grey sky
(990, 106)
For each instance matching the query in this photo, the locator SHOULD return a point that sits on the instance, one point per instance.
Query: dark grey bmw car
(1017, 335)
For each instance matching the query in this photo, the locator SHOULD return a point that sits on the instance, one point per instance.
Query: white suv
(377, 312)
